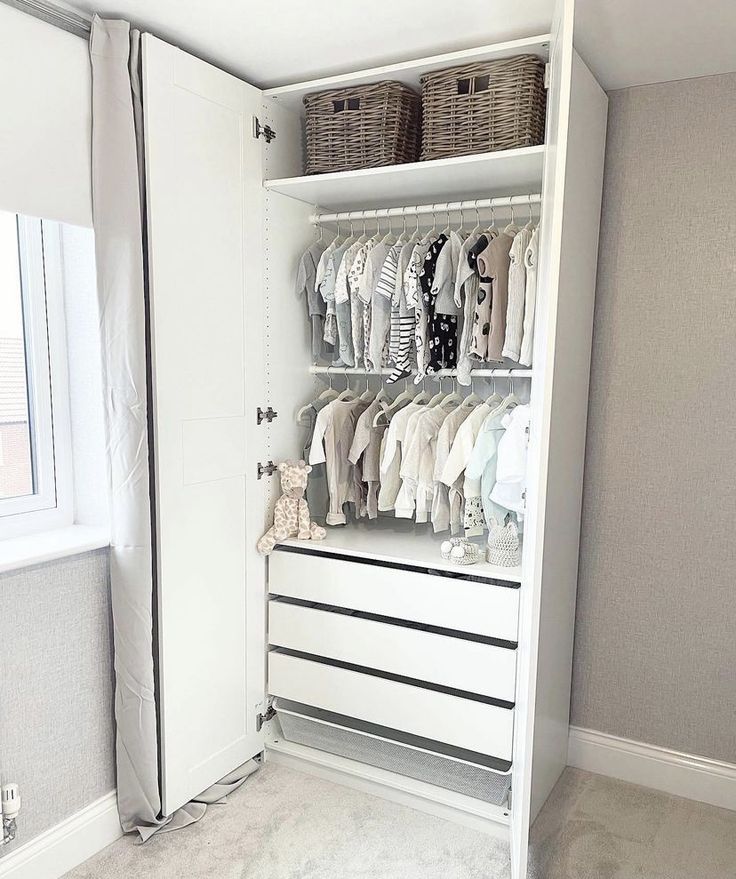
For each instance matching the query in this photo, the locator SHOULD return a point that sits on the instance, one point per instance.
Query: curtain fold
(118, 203)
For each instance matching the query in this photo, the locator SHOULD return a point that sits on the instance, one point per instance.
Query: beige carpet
(593, 827)
(286, 825)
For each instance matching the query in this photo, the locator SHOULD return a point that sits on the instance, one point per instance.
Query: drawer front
(413, 653)
(481, 608)
(464, 723)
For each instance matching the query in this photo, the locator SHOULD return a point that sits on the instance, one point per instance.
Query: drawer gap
(451, 752)
(399, 679)
(395, 621)
(398, 566)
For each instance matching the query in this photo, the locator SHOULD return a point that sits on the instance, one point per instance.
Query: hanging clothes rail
(512, 201)
(476, 373)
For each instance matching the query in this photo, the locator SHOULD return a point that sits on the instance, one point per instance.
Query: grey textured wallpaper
(655, 646)
(56, 691)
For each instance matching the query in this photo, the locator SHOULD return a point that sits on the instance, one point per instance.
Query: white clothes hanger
(403, 236)
(509, 401)
(472, 400)
(401, 400)
(530, 225)
(438, 397)
(477, 229)
(453, 399)
(367, 394)
(512, 229)
(447, 229)
(347, 394)
(492, 230)
(495, 398)
(329, 393)
(422, 396)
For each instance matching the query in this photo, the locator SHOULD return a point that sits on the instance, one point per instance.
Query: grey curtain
(118, 198)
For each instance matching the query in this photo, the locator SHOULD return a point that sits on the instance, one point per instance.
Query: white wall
(45, 121)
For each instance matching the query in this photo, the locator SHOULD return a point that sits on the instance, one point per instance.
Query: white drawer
(435, 599)
(410, 652)
(464, 723)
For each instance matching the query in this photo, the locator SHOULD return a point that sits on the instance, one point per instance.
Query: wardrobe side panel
(204, 217)
(568, 422)
(558, 103)
(286, 335)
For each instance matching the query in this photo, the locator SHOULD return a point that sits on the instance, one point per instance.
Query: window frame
(52, 503)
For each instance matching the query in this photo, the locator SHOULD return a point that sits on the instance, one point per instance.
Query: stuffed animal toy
(291, 514)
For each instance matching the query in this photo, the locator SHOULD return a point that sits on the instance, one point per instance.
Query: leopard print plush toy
(291, 514)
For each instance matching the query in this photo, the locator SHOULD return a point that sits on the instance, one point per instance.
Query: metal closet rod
(476, 373)
(436, 208)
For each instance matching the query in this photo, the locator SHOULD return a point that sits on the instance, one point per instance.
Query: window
(35, 463)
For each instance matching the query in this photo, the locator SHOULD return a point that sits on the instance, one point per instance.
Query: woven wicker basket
(362, 127)
(478, 108)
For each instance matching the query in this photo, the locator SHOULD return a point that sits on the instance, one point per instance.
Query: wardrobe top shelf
(478, 176)
(400, 543)
(408, 72)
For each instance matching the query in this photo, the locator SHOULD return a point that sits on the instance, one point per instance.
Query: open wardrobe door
(573, 182)
(205, 219)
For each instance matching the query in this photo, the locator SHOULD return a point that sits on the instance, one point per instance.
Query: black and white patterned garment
(441, 328)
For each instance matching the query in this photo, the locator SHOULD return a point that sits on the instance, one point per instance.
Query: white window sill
(20, 552)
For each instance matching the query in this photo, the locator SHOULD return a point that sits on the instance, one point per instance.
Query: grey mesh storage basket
(483, 107)
(335, 734)
(365, 126)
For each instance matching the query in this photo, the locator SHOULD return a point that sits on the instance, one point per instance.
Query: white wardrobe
(444, 688)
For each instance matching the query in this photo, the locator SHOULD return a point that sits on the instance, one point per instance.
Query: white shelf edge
(291, 95)
(481, 569)
(290, 185)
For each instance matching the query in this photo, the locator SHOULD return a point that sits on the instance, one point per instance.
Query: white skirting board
(684, 775)
(54, 852)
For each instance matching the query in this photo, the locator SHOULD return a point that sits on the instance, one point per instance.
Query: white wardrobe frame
(221, 243)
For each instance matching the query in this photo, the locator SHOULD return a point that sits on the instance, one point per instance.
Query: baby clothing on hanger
(306, 286)
(381, 304)
(453, 473)
(445, 437)
(340, 310)
(466, 296)
(531, 257)
(364, 454)
(414, 269)
(510, 488)
(374, 262)
(391, 456)
(443, 324)
(517, 294)
(316, 489)
(333, 436)
(482, 467)
(423, 451)
(427, 330)
(405, 506)
(402, 320)
(489, 323)
(357, 301)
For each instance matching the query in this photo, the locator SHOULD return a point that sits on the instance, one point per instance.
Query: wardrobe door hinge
(264, 718)
(268, 133)
(267, 469)
(265, 415)
(546, 75)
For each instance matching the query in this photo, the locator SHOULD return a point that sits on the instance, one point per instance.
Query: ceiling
(625, 42)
